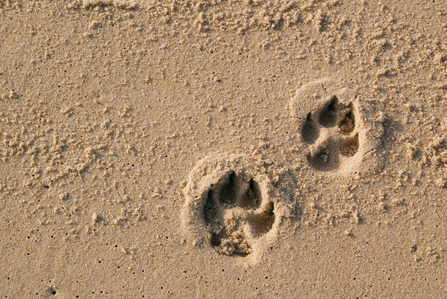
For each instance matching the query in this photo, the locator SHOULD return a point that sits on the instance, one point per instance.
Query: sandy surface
(214, 149)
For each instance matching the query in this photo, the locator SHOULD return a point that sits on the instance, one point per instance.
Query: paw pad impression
(228, 206)
(336, 127)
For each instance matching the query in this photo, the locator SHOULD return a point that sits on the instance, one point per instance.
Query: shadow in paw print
(211, 209)
(326, 158)
(263, 222)
(228, 191)
(243, 198)
(216, 238)
(329, 114)
(347, 123)
(391, 128)
(251, 198)
(310, 130)
(349, 147)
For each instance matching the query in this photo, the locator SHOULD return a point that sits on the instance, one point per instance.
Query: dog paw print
(236, 214)
(331, 134)
(337, 129)
(228, 206)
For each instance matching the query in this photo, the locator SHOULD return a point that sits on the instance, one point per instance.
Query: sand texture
(223, 149)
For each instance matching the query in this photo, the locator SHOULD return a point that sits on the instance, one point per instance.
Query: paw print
(338, 129)
(228, 205)
(332, 134)
(236, 214)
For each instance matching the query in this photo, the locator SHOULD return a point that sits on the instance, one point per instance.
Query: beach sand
(222, 149)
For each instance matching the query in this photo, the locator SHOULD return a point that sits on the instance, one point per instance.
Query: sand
(221, 149)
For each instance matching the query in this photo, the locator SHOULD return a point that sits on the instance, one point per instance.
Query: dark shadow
(388, 140)
(326, 159)
(310, 131)
(329, 114)
(216, 238)
(263, 223)
(210, 210)
(347, 123)
(228, 192)
(252, 198)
